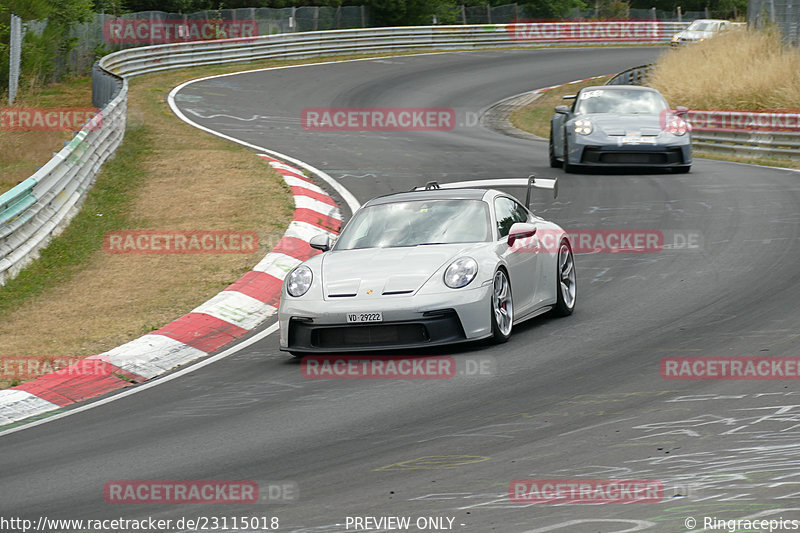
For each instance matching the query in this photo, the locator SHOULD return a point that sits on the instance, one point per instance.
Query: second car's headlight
(299, 281)
(460, 272)
(583, 126)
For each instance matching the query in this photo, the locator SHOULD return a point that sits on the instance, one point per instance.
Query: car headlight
(583, 126)
(299, 281)
(460, 272)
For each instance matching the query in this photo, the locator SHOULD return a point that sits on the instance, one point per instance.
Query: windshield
(416, 223)
(703, 26)
(618, 101)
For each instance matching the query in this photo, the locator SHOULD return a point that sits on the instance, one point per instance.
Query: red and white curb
(232, 313)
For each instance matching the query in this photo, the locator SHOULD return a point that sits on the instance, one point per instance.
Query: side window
(522, 214)
(508, 212)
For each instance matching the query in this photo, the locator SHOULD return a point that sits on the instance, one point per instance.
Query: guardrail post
(488, 13)
(463, 15)
(680, 14)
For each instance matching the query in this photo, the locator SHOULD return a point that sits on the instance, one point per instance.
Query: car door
(523, 260)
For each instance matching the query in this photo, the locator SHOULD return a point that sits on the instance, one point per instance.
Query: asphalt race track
(574, 398)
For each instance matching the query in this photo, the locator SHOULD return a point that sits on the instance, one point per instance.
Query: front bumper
(632, 155)
(419, 321)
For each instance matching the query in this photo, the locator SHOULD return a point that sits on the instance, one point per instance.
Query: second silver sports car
(428, 267)
(618, 126)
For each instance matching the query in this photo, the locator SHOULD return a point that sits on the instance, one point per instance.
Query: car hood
(619, 125)
(384, 271)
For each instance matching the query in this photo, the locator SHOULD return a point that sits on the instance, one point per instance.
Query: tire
(502, 307)
(566, 288)
(682, 170)
(568, 168)
(554, 162)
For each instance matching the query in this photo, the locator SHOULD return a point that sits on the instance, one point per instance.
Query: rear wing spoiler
(530, 182)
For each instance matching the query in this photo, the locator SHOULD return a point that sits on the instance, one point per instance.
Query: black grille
(439, 327)
(382, 335)
(632, 157)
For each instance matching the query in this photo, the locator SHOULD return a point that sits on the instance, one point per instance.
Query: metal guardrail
(632, 76)
(778, 145)
(42, 205)
(39, 207)
(336, 42)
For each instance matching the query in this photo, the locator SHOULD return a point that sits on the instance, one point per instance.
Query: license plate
(364, 317)
(637, 140)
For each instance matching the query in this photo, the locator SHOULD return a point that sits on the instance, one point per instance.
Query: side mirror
(569, 97)
(563, 109)
(520, 230)
(681, 110)
(320, 242)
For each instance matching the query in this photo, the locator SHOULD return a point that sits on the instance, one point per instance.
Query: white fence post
(15, 54)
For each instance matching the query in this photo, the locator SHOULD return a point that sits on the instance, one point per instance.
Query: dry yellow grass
(194, 181)
(22, 152)
(742, 69)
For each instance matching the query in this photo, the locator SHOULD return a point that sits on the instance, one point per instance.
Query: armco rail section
(730, 132)
(39, 207)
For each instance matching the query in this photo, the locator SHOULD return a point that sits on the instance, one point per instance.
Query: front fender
(557, 133)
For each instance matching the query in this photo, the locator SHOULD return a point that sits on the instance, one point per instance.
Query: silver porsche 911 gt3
(425, 268)
(619, 125)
